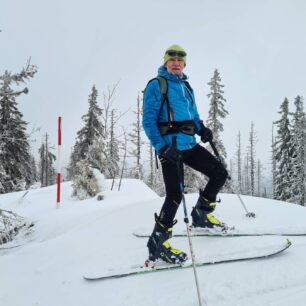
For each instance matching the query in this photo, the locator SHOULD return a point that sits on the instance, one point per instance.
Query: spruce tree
(2, 178)
(15, 156)
(283, 155)
(299, 145)
(273, 165)
(217, 111)
(90, 142)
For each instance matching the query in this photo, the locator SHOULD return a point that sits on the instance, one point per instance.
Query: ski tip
(289, 243)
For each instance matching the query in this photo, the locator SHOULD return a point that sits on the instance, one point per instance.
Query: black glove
(206, 134)
(170, 154)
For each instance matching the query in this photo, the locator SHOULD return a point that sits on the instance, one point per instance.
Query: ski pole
(248, 214)
(179, 166)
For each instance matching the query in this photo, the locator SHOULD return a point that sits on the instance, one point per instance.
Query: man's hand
(206, 133)
(170, 154)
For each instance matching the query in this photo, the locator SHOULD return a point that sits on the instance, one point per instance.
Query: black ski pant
(200, 160)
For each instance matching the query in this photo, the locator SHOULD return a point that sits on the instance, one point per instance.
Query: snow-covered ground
(46, 268)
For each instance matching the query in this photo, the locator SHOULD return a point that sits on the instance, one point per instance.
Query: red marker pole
(58, 198)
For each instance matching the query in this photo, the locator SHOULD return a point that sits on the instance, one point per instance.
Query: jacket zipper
(184, 95)
(188, 103)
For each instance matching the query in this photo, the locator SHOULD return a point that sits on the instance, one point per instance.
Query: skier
(178, 117)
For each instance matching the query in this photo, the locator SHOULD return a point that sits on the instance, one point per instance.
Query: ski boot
(202, 217)
(159, 246)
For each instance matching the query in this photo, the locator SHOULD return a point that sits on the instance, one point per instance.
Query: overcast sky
(259, 48)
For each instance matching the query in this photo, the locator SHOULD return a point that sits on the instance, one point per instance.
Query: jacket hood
(162, 71)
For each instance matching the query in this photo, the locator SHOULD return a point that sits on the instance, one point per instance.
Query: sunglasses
(173, 53)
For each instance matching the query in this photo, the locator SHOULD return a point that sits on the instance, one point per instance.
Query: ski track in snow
(46, 267)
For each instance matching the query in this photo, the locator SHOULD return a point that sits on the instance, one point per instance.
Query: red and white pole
(58, 198)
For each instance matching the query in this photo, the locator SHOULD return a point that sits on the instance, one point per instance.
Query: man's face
(175, 66)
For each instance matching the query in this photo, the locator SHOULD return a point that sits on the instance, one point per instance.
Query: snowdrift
(46, 267)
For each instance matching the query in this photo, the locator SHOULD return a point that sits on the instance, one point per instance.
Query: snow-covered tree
(46, 164)
(85, 184)
(283, 155)
(299, 156)
(3, 178)
(112, 150)
(273, 164)
(108, 118)
(96, 155)
(239, 162)
(90, 142)
(15, 156)
(136, 140)
(246, 189)
(252, 163)
(217, 111)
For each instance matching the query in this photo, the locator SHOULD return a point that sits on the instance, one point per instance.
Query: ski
(231, 232)
(159, 267)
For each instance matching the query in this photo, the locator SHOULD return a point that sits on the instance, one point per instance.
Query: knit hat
(175, 51)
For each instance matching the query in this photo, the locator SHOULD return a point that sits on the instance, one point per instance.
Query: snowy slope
(93, 235)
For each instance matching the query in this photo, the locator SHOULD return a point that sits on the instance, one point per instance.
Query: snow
(47, 266)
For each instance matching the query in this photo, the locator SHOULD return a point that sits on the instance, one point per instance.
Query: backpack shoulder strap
(163, 85)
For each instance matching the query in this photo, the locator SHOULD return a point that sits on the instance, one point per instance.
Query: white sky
(259, 48)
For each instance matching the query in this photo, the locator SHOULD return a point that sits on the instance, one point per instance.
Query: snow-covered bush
(86, 181)
(10, 225)
(20, 185)
(100, 179)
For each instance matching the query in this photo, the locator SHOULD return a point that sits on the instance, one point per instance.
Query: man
(178, 119)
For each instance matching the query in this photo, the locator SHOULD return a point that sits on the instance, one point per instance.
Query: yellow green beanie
(178, 52)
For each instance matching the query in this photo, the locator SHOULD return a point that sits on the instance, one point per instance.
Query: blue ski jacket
(184, 107)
